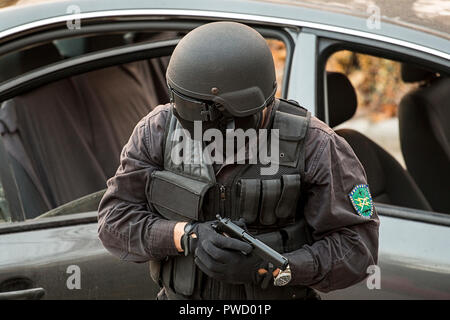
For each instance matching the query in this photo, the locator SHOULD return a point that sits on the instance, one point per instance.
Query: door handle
(28, 294)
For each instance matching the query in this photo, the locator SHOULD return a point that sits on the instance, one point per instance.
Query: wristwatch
(283, 277)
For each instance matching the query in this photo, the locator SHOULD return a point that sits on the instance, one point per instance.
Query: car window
(392, 130)
(17, 62)
(379, 89)
(70, 132)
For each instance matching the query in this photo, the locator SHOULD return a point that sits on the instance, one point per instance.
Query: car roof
(432, 33)
(429, 16)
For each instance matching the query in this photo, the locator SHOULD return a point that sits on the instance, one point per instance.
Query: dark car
(75, 80)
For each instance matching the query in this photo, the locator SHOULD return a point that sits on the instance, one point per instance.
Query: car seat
(64, 138)
(424, 121)
(389, 182)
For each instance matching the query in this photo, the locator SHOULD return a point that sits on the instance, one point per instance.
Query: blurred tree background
(378, 84)
(279, 57)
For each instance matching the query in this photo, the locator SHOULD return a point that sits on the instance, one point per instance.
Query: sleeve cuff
(161, 242)
(303, 268)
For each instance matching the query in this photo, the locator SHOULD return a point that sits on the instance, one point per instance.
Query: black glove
(198, 231)
(232, 261)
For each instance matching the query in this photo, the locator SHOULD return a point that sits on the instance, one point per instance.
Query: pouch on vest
(155, 271)
(177, 197)
(249, 192)
(271, 190)
(184, 270)
(290, 193)
(272, 239)
(286, 239)
(272, 200)
(292, 132)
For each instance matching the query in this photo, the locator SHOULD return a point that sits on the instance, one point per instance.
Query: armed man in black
(315, 209)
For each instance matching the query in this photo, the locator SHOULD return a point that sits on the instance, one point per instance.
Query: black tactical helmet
(221, 68)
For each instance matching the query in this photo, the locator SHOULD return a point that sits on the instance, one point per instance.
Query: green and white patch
(362, 200)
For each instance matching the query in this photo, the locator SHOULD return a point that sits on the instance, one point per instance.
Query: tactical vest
(272, 205)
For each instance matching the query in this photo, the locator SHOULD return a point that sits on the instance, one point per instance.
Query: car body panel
(44, 256)
(414, 263)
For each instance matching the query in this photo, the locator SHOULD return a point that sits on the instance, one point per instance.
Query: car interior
(64, 139)
(423, 115)
(389, 182)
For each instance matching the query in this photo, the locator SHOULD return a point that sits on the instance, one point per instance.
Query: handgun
(226, 226)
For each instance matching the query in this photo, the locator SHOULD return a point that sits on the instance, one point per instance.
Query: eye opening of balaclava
(222, 123)
(188, 110)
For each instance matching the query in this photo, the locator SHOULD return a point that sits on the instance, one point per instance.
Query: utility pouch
(184, 271)
(272, 239)
(255, 292)
(290, 194)
(292, 131)
(155, 271)
(166, 273)
(248, 192)
(271, 190)
(287, 239)
(176, 197)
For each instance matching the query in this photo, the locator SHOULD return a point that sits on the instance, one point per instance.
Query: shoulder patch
(362, 200)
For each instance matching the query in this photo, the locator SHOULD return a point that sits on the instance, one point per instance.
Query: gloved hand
(232, 261)
(203, 231)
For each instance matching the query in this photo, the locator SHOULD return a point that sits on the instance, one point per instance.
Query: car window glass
(401, 112)
(15, 63)
(379, 89)
(72, 131)
(5, 215)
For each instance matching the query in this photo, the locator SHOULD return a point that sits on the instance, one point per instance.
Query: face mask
(253, 121)
(189, 125)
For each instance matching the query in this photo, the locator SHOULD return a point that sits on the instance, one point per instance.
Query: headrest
(16, 63)
(39, 56)
(342, 101)
(412, 73)
(97, 43)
